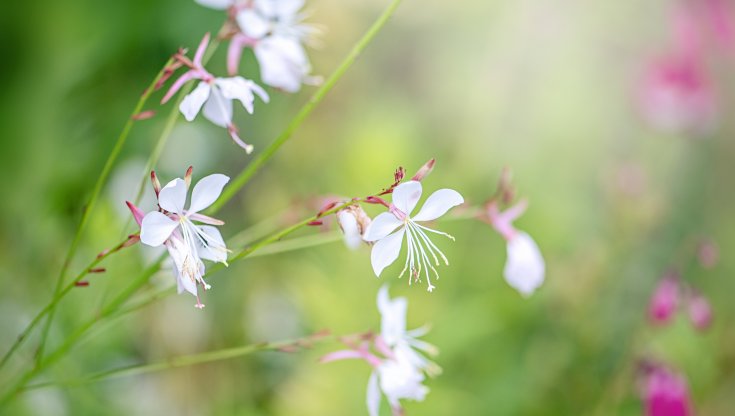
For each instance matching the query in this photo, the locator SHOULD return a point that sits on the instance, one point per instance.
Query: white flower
(395, 336)
(274, 29)
(217, 4)
(187, 243)
(353, 221)
(398, 379)
(216, 97)
(524, 269)
(388, 229)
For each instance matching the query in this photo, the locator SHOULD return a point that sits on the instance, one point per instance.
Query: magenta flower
(665, 299)
(700, 311)
(666, 393)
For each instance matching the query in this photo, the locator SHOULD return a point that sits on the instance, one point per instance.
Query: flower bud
(353, 221)
(138, 214)
(700, 311)
(665, 299)
(424, 170)
(665, 393)
(156, 184)
(187, 176)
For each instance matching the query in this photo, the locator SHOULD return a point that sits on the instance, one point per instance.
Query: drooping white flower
(388, 229)
(274, 29)
(187, 243)
(399, 371)
(525, 267)
(214, 95)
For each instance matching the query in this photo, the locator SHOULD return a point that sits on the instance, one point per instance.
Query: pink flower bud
(187, 176)
(666, 393)
(138, 214)
(708, 254)
(155, 182)
(144, 115)
(424, 170)
(700, 311)
(665, 299)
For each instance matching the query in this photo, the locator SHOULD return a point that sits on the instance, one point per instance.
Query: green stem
(23, 336)
(253, 167)
(101, 179)
(189, 360)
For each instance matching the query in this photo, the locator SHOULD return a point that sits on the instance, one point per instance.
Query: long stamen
(432, 247)
(409, 256)
(425, 239)
(434, 231)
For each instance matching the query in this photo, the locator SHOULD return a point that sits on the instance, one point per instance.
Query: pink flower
(666, 393)
(700, 311)
(665, 299)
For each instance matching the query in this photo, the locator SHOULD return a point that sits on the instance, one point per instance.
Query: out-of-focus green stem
(253, 167)
(193, 359)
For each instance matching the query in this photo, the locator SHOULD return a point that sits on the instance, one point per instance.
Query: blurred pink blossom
(665, 299)
(666, 393)
(700, 311)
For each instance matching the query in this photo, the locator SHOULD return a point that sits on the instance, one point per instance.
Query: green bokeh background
(542, 87)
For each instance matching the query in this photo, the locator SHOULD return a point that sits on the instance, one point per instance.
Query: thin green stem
(24, 335)
(101, 180)
(253, 167)
(192, 359)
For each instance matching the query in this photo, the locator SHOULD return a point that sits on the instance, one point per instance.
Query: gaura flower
(388, 229)
(274, 30)
(699, 309)
(525, 268)
(215, 95)
(187, 243)
(399, 371)
(353, 221)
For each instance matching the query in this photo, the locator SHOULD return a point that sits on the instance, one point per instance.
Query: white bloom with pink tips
(388, 229)
(187, 243)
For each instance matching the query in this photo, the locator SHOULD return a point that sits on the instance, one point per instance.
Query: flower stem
(101, 180)
(253, 167)
(193, 359)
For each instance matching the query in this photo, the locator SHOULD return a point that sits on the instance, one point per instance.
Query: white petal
(438, 204)
(406, 195)
(216, 4)
(156, 228)
(373, 395)
(193, 102)
(350, 228)
(206, 191)
(386, 251)
(524, 269)
(381, 226)
(239, 88)
(173, 196)
(218, 109)
(252, 23)
(215, 250)
(176, 250)
(279, 8)
(392, 317)
(283, 62)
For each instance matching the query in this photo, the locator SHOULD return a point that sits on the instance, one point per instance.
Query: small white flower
(274, 29)
(525, 267)
(187, 243)
(388, 229)
(398, 379)
(216, 97)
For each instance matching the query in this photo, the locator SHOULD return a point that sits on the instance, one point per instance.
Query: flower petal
(216, 4)
(206, 191)
(386, 251)
(173, 196)
(283, 62)
(525, 268)
(215, 248)
(237, 88)
(438, 204)
(176, 249)
(381, 226)
(156, 228)
(218, 109)
(406, 195)
(373, 395)
(350, 228)
(392, 317)
(252, 23)
(193, 102)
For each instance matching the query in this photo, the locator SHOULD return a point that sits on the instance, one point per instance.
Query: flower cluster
(670, 294)
(399, 369)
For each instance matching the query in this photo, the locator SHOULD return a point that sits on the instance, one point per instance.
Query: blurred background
(624, 183)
